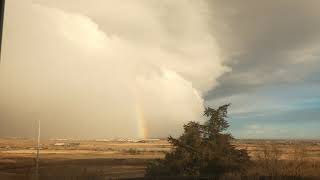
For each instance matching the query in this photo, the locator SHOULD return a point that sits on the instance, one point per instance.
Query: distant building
(59, 144)
(67, 144)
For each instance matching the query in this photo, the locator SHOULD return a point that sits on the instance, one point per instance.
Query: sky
(143, 68)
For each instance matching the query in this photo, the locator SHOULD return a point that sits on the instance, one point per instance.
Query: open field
(118, 158)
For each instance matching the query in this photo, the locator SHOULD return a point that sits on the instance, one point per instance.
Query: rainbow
(141, 125)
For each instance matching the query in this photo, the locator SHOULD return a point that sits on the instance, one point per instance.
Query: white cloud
(82, 72)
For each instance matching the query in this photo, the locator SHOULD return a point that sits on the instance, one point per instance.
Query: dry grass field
(121, 158)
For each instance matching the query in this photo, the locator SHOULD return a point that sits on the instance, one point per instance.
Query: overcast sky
(142, 68)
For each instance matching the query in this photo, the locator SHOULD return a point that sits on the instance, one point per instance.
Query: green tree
(203, 149)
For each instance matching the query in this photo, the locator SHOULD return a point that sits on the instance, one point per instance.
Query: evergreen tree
(202, 149)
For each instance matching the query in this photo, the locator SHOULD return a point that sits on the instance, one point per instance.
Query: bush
(203, 149)
(133, 151)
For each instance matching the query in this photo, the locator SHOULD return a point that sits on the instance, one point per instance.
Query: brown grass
(283, 157)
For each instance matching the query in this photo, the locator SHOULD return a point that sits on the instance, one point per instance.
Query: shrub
(203, 149)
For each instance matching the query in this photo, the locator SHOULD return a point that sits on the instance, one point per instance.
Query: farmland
(120, 157)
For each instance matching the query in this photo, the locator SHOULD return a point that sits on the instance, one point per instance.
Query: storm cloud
(266, 43)
(106, 68)
(112, 68)
(273, 49)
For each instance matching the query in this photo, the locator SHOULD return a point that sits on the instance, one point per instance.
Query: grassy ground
(119, 158)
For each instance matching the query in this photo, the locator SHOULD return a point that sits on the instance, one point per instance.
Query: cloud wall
(83, 68)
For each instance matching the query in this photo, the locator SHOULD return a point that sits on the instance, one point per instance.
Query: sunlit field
(125, 158)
